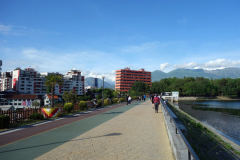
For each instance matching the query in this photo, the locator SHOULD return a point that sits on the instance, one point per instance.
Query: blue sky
(101, 36)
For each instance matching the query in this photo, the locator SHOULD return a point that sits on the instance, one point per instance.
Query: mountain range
(181, 73)
(88, 82)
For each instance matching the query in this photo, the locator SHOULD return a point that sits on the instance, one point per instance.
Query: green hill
(181, 73)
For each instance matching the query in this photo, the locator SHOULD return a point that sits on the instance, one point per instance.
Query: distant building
(6, 81)
(20, 101)
(48, 98)
(29, 81)
(125, 78)
(95, 82)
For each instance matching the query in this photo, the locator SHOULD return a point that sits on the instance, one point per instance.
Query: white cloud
(219, 63)
(5, 29)
(108, 76)
(91, 63)
(186, 65)
(210, 65)
(164, 65)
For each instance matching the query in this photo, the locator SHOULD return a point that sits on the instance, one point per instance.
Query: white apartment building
(6, 81)
(29, 81)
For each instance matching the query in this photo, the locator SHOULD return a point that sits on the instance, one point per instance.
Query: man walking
(127, 99)
(156, 101)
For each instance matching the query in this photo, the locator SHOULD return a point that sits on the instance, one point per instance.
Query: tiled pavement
(138, 133)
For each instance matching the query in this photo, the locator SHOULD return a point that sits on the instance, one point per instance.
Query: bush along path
(205, 143)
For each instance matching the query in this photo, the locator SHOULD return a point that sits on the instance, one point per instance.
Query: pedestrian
(144, 97)
(129, 99)
(139, 97)
(152, 97)
(156, 101)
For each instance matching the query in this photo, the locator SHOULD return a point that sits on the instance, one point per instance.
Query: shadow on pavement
(110, 134)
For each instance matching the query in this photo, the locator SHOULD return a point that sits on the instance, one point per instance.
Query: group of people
(141, 98)
(155, 101)
(154, 98)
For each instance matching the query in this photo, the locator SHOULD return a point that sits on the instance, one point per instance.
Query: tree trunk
(52, 97)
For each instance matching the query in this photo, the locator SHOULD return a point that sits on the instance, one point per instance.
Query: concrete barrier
(178, 146)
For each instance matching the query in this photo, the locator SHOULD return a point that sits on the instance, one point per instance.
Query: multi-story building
(125, 78)
(95, 82)
(6, 81)
(29, 81)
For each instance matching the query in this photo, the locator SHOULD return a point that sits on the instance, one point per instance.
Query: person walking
(127, 99)
(144, 97)
(152, 97)
(156, 101)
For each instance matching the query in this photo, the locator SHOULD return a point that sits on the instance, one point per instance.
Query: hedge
(82, 105)
(68, 107)
(36, 116)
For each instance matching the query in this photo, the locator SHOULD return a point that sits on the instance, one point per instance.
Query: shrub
(121, 100)
(99, 103)
(82, 105)
(68, 107)
(36, 116)
(115, 100)
(4, 121)
(106, 101)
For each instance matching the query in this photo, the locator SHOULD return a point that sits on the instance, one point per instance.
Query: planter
(51, 112)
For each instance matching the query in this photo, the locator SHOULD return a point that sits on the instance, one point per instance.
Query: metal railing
(178, 131)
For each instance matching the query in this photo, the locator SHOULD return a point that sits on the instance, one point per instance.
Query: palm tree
(52, 80)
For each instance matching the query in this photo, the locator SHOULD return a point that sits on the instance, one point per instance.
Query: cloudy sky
(101, 36)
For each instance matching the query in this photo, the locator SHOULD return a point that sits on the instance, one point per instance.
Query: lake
(223, 116)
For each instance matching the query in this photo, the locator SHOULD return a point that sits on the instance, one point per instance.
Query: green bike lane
(37, 145)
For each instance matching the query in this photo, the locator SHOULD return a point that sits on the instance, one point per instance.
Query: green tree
(51, 81)
(139, 87)
(18, 68)
(35, 103)
(70, 97)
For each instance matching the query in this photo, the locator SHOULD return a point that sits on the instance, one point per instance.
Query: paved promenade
(128, 132)
(138, 133)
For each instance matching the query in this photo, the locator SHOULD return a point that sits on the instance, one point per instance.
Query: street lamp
(102, 91)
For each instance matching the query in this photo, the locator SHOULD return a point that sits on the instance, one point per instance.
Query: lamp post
(103, 91)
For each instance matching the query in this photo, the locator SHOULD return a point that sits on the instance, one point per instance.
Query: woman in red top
(156, 101)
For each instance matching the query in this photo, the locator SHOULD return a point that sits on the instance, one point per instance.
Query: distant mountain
(215, 74)
(88, 82)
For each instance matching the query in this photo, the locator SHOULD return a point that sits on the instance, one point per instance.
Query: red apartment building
(125, 78)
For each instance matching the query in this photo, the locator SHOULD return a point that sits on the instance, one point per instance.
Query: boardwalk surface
(127, 132)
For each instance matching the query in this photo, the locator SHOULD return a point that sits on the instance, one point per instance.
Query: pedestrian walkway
(129, 132)
(138, 133)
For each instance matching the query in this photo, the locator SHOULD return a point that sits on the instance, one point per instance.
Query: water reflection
(224, 116)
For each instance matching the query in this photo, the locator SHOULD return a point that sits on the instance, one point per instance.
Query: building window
(15, 103)
(19, 104)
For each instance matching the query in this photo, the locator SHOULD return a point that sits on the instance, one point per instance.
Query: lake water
(223, 116)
